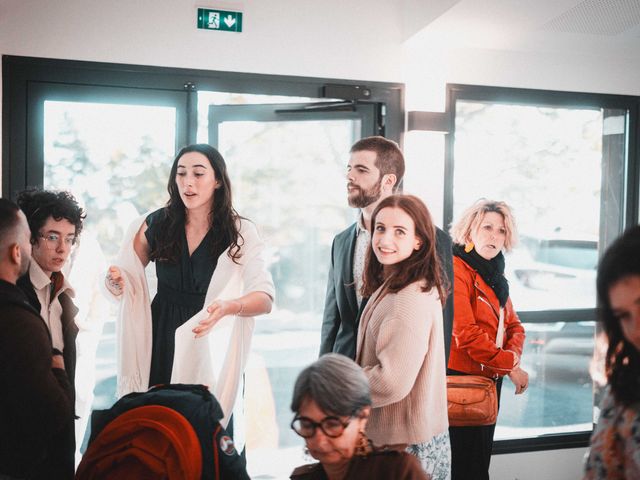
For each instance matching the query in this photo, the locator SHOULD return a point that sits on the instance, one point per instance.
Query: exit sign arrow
(223, 20)
(230, 20)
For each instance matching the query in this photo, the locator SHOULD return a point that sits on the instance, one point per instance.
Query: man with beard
(55, 220)
(35, 404)
(374, 171)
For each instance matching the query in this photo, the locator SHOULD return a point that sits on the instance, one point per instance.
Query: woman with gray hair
(332, 402)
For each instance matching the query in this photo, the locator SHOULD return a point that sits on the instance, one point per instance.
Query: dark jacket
(68, 320)
(62, 462)
(381, 465)
(36, 404)
(341, 314)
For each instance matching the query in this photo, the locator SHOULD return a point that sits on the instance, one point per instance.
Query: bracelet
(111, 283)
(241, 308)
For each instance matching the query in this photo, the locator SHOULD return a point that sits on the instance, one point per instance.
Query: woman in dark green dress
(187, 239)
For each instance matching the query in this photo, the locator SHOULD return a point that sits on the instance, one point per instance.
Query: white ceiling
(584, 27)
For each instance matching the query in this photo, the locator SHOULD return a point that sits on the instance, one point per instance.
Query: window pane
(562, 172)
(206, 98)
(115, 159)
(560, 394)
(547, 164)
(288, 177)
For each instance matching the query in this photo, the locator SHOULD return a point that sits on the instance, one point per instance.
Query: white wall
(331, 38)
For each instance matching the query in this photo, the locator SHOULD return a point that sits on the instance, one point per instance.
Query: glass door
(287, 165)
(112, 148)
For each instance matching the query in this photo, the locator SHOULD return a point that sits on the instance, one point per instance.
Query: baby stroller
(169, 432)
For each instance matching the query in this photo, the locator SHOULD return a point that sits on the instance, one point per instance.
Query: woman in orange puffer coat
(487, 334)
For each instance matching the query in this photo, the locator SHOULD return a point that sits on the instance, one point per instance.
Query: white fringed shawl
(217, 359)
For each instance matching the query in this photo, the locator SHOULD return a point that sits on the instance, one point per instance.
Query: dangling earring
(363, 445)
(468, 247)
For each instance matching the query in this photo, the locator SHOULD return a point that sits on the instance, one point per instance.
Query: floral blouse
(615, 442)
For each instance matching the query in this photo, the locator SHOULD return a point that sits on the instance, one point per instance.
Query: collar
(40, 280)
(360, 226)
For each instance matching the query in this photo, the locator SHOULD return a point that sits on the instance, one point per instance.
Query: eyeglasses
(52, 240)
(330, 426)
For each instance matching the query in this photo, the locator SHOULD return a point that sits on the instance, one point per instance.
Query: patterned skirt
(434, 456)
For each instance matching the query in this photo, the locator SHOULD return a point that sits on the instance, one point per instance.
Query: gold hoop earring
(468, 247)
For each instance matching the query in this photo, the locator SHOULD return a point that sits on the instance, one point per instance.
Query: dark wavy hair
(222, 217)
(622, 363)
(422, 264)
(38, 205)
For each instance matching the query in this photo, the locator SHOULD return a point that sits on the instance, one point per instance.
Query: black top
(182, 288)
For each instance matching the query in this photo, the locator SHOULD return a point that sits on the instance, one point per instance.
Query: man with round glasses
(55, 220)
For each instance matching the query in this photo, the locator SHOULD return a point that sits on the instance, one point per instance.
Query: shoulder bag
(472, 400)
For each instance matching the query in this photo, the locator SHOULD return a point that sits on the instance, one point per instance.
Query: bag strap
(500, 334)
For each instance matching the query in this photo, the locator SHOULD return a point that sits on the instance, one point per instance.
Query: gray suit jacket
(341, 312)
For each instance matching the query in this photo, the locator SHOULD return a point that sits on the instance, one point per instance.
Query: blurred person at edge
(56, 221)
(332, 404)
(615, 441)
(481, 300)
(400, 339)
(36, 403)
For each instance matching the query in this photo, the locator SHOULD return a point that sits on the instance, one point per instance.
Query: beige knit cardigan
(401, 349)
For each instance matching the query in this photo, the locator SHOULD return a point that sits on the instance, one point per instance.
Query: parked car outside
(553, 273)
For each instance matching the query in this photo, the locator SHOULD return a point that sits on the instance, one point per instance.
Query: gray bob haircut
(336, 383)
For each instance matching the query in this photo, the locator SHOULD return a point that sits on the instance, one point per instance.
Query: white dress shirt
(50, 308)
(363, 240)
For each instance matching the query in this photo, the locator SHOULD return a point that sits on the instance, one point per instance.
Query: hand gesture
(217, 310)
(114, 281)
(520, 379)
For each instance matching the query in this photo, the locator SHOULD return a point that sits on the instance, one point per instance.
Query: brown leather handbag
(472, 400)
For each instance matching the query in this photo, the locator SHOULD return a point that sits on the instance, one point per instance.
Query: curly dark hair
(422, 264)
(38, 205)
(222, 217)
(622, 363)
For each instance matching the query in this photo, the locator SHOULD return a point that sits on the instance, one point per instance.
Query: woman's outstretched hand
(520, 379)
(114, 281)
(217, 310)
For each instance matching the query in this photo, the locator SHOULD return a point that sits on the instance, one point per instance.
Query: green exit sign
(224, 20)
